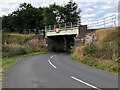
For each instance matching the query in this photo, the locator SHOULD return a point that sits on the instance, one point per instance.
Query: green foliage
(18, 45)
(73, 57)
(91, 50)
(105, 52)
(71, 13)
(12, 51)
(100, 54)
(117, 60)
(98, 65)
(29, 17)
(107, 48)
(112, 36)
(50, 14)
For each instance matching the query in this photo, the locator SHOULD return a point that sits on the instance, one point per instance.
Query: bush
(117, 60)
(18, 44)
(100, 54)
(92, 50)
(13, 51)
(105, 52)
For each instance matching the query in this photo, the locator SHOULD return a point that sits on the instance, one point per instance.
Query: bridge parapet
(64, 29)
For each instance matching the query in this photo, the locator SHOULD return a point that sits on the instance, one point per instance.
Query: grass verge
(7, 62)
(98, 64)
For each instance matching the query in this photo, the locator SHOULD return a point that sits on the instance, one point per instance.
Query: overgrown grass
(100, 54)
(102, 65)
(19, 44)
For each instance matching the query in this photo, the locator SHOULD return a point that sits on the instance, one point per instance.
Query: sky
(92, 10)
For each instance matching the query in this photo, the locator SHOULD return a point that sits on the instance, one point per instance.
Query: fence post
(45, 28)
(71, 25)
(104, 22)
(115, 21)
(110, 44)
(65, 26)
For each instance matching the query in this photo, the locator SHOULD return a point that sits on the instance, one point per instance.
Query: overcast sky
(91, 9)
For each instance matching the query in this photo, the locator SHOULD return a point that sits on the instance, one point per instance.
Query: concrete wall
(81, 34)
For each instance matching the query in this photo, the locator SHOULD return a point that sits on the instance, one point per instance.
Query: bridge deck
(73, 31)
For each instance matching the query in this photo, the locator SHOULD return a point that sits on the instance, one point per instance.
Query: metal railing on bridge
(62, 27)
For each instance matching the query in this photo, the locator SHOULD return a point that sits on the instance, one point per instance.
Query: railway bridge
(63, 37)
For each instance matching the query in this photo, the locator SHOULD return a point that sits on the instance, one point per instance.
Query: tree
(50, 14)
(71, 12)
(29, 17)
(25, 6)
(25, 17)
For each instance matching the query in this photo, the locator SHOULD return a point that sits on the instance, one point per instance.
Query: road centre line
(84, 82)
(51, 64)
(52, 56)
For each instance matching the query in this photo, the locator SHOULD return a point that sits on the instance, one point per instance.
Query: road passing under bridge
(56, 71)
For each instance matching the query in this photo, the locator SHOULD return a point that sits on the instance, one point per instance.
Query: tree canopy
(29, 17)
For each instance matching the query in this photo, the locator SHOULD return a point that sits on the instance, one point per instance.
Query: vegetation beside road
(19, 44)
(101, 54)
(15, 46)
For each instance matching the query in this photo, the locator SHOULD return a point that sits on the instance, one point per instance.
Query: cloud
(88, 16)
(89, 9)
(106, 7)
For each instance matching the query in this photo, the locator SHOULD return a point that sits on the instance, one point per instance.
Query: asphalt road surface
(56, 71)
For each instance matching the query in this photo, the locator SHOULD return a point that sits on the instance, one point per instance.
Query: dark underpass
(62, 43)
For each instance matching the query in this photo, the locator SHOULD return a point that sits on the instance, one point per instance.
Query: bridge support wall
(81, 34)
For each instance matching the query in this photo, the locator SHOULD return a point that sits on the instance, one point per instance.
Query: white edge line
(84, 82)
(51, 64)
(52, 56)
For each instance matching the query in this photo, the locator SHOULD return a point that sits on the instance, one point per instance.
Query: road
(56, 71)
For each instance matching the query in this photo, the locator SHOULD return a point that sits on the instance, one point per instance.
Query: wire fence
(109, 21)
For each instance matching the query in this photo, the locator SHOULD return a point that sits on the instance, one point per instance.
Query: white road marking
(51, 64)
(84, 82)
(52, 56)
